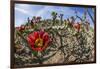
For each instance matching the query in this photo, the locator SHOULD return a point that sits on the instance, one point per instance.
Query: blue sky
(23, 11)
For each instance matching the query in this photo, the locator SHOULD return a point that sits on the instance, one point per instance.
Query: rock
(57, 58)
(58, 41)
(71, 58)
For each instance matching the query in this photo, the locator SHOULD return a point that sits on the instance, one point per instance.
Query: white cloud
(44, 11)
(23, 8)
(23, 11)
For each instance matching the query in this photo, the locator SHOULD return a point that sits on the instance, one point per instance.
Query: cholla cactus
(40, 42)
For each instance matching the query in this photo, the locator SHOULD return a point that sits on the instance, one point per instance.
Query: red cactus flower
(22, 27)
(38, 40)
(77, 26)
(17, 28)
(38, 19)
